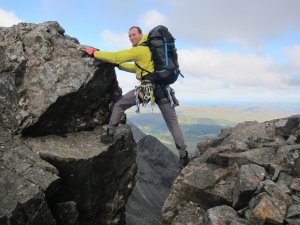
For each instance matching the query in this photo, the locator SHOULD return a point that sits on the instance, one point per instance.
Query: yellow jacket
(137, 54)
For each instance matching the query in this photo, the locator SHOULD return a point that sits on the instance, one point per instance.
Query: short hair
(138, 29)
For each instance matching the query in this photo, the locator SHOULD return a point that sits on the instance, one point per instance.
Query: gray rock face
(97, 177)
(48, 85)
(220, 215)
(26, 182)
(246, 183)
(247, 175)
(54, 101)
(157, 168)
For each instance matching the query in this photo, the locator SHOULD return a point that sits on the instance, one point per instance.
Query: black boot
(108, 137)
(184, 160)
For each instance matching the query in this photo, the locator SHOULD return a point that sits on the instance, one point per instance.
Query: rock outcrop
(25, 183)
(48, 85)
(249, 174)
(98, 178)
(54, 101)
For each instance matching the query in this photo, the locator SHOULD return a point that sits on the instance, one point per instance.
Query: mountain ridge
(55, 103)
(157, 167)
(248, 174)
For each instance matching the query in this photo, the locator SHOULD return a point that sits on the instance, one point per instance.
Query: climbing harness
(144, 94)
(171, 96)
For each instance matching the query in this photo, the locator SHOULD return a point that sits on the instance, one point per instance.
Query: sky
(229, 50)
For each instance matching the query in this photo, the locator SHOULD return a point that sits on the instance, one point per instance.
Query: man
(142, 66)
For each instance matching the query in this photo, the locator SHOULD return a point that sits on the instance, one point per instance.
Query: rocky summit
(248, 175)
(54, 102)
(48, 84)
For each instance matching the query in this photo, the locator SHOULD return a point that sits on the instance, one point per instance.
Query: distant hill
(201, 122)
(193, 130)
(230, 115)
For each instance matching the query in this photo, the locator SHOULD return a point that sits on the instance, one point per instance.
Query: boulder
(97, 177)
(55, 101)
(66, 213)
(246, 183)
(48, 84)
(220, 215)
(26, 182)
(293, 214)
(251, 168)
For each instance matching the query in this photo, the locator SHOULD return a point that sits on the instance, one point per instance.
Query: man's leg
(169, 115)
(125, 102)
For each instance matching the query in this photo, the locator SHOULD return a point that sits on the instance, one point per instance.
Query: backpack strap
(142, 69)
(145, 43)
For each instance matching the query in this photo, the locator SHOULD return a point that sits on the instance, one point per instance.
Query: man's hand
(89, 50)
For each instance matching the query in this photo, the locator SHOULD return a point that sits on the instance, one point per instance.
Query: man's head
(135, 35)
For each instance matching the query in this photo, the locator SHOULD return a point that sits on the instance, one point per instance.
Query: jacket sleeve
(128, 67)
(117, 57)
(126, 59)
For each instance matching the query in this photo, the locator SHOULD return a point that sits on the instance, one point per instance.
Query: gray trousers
(168, 113)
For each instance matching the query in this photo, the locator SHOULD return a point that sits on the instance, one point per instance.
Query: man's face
(134, 36)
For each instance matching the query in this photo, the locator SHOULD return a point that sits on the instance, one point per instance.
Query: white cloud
(127, 81)
(114, 42)
(233, 69)
(153, 18)
(293, 54)
(212, 74)
(197, 90)
(246, 22)
(8, 18)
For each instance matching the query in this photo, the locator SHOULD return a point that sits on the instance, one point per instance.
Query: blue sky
(229, 50)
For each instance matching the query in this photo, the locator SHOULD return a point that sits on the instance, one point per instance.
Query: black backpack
(164, 55)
